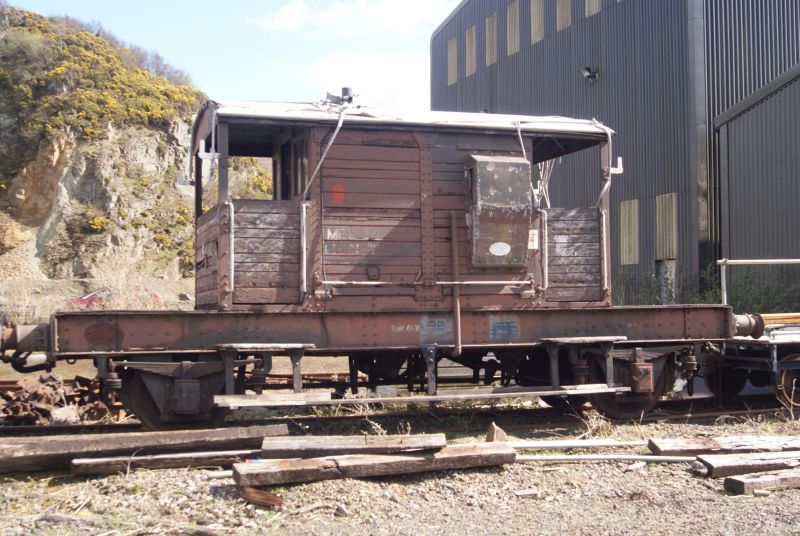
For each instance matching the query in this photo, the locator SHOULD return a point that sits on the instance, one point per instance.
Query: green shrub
(750, 289)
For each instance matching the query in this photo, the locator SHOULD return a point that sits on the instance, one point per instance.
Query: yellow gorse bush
(54, 77)
(98, 224)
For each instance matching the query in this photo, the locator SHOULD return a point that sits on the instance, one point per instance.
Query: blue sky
(280, 49)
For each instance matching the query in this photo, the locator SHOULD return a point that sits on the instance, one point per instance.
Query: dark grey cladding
(665, 70)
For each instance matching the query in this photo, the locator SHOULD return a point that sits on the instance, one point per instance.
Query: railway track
(459, 420)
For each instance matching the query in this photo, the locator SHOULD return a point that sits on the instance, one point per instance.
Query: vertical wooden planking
(198, 188)
(223, 150)
(575, 257)
(225, 255)
(316, 222)
(225, 241)
(371, 196)
(267, 252)
(206, 274)
(428, 261)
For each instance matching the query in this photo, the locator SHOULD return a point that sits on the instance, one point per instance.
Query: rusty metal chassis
(109, 333)
(186, 357)
(765, 357)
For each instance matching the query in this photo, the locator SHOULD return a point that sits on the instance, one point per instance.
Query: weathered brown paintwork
(367, 261)
(376, 232)
(413, 242)
(151, 332)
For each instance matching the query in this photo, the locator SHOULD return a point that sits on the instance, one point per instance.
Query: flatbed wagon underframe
(110, 333)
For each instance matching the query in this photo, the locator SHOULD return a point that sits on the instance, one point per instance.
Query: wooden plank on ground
(261, 497)
(296, 470)
(605, 458)
(559, 444)
(56, 452)
(773, 480)
(701, 445)
(121, 464)
(720, 465)
(316, 446)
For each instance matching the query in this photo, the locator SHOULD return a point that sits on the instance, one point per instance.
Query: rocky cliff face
(109, 212)
(93, 151)
(80, 203)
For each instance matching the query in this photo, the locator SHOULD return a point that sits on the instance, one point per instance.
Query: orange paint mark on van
(337, 196)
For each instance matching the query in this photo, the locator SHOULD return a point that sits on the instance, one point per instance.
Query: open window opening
(253, 161)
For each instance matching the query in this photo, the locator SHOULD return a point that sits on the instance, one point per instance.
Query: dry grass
(29, 301)
(597, 426)
(120, 274)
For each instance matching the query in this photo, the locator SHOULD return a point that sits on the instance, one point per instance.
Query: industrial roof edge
(449, 18)
(754, 98)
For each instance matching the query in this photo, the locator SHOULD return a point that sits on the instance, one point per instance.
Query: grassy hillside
(55, 77)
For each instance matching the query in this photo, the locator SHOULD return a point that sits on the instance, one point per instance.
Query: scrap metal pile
(48, 399)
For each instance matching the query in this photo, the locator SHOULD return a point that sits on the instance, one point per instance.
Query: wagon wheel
(723, 382)
(788, 390)
(137, 398)
(628, 406)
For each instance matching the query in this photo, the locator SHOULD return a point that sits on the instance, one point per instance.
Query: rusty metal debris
(49, 399)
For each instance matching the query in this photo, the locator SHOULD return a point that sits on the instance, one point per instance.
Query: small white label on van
(499, 249)
(533, 239)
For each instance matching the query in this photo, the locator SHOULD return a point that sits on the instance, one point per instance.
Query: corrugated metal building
(659, 73)
(758, 143)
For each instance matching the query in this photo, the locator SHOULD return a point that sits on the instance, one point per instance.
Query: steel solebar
(119, 332)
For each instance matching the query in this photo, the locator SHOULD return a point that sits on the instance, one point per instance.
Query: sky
(280, 50)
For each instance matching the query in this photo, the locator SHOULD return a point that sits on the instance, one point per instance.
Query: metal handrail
(724, 263)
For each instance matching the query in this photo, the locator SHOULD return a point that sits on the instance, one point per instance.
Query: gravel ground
(607, 498)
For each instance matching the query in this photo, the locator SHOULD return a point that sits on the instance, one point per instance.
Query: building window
(592, 7)
(512, 28)
(537, 21)
(491, 39)
(469, 54)
(666, 227)
(452, 61)
(563, 14)
(629, 232)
